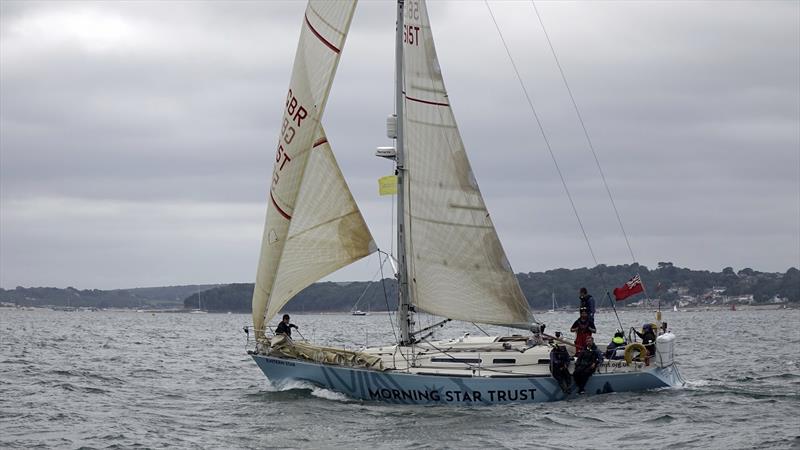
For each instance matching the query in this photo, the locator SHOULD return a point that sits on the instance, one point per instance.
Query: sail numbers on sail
(293, 115)
(411, 32)
(297, 111)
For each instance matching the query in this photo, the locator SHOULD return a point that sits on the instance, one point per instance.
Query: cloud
(136, 139)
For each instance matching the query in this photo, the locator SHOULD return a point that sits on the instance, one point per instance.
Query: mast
(404, 304)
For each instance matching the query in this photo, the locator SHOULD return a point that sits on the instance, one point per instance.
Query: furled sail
(457, 266)
(313, 227)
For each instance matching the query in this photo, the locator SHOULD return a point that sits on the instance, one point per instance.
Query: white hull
(472, 371)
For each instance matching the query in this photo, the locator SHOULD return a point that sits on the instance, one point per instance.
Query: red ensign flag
(633, 286)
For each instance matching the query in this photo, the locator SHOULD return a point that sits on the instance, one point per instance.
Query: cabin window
(504, 361)
(457, 360)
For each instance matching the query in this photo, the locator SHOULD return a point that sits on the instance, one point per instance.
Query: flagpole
(614, 306)
(647, 296)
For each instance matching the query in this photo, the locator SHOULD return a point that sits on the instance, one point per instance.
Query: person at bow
(285, 328)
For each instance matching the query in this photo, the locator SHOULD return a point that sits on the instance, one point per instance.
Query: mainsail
(313, 226)
(457, 266)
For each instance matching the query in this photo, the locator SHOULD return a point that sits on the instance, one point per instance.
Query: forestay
(457, 266)
(313, 227)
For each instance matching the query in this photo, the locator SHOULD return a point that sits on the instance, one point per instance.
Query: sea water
(123, 379)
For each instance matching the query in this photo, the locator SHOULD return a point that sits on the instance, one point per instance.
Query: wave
(312, 389)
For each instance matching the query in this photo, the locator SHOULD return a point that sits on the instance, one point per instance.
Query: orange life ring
(635, 347)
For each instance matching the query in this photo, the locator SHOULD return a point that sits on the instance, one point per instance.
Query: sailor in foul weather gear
(587, 301)
(559, 367)
(617, 343)
(587, 362)
(583, 327)
(648, 336)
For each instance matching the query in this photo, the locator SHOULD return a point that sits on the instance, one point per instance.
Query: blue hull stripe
(404, 388)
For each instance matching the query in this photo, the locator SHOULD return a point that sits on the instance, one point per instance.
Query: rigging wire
(385, 295)
(482, 331)
(549, 147)
(369, 284)
(588, 141)
(585, 131)
(544, 135)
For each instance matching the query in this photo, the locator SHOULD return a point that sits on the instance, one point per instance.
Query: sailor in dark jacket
(285, 327)
(588, 361)
(648, 336)
(587, 301)
(559, 367)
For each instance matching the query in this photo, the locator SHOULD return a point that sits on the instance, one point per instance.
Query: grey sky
(136, 138)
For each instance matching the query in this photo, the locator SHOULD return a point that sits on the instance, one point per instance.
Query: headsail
(457, 266)
(313, 226)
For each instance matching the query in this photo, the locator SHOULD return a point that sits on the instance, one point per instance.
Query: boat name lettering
(512, 395)
(279, 362)
(509, 395)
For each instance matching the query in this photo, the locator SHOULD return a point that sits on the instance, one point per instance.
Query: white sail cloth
(313, 226)
(457, 266)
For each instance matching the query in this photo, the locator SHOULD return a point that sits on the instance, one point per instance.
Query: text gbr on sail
(294, 115)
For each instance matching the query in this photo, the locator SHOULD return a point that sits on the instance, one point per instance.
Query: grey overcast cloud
(137, 138)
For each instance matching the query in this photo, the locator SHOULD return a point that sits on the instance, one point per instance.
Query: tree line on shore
(666, 282)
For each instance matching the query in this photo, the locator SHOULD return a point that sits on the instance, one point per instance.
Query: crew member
(285, 328)
(559, 367)
(586, 364)
(587, 301)
(583, 327)
(648, 336)
(617, 343)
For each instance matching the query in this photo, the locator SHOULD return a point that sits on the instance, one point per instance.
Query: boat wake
(316, 391)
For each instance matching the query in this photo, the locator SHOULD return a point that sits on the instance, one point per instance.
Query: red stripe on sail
(283, 213)
(319, 142)
(427, 102)
(319, 36)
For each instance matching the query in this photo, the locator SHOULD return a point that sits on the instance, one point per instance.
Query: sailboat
(450, 262)
(199, 309)
(553, 309)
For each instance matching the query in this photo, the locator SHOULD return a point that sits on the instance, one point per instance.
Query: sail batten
(313, 226)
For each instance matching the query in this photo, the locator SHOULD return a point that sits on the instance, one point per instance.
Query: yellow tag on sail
(387, 185)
